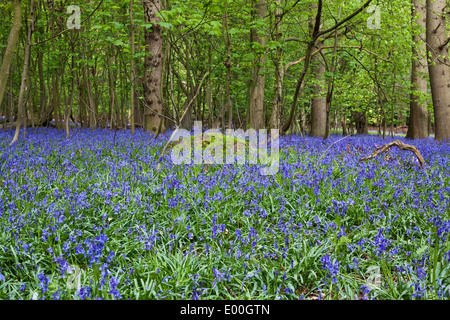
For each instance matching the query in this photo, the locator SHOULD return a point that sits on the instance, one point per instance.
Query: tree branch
(401, 146)
(337, 25)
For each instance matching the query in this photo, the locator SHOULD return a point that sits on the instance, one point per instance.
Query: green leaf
(166, 25)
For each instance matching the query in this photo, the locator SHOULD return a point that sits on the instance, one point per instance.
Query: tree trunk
(330, 89)
(257, 86)
(113, 104)
(360, 120)
(9, 52)
(439, 67)
(209, 89)
(69, 107)
(275, 119)
(220, 120)
(344, 123)
(132, 69)
(42, 91)
(319, 102)
(418, 115)
(153, 69)
(21, 118)
(309, 50)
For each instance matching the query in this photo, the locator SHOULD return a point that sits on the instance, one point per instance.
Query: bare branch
(337, 25)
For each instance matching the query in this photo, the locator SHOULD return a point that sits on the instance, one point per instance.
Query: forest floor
(92, 217)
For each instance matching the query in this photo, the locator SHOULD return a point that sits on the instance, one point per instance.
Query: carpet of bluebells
(91, 217)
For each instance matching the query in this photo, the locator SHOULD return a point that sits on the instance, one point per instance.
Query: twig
(334, 144)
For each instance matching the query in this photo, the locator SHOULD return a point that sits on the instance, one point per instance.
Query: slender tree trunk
(153, 69)
(331, 82)
(112, 89)
(11, 99)
(344, 123)
(56, 100)
(209, 89)
(9, 52)
(188, 90)
(439, 68)
(277, 103)
(132, 68)
(91, 102)
(257, 87)
(21, 118)
(69, 106)
(306, 63)
(42, 90)
(83, 104)
(418, 115)
(319, 103)
(382, 101)
(394, 101)
(220, 121)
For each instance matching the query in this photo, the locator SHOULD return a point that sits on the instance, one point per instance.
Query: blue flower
(332, 268)
(44, 281)
(113, 285)
(57, 295)
(84, 292)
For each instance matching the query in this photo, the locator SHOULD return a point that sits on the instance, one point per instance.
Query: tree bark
(319, 102)
(113, 104)
(9, 52)
(439, 68)
(418, 114)
(153, 68)
(360, 120)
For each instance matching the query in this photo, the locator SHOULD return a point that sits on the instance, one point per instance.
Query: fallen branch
(401, 146)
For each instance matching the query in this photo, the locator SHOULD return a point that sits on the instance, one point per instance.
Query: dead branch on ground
(399, 144)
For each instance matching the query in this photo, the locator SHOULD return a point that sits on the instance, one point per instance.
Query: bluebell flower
(57, 295)
(84, 292)
(44, 281)
(332, 268)
(113, 286)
